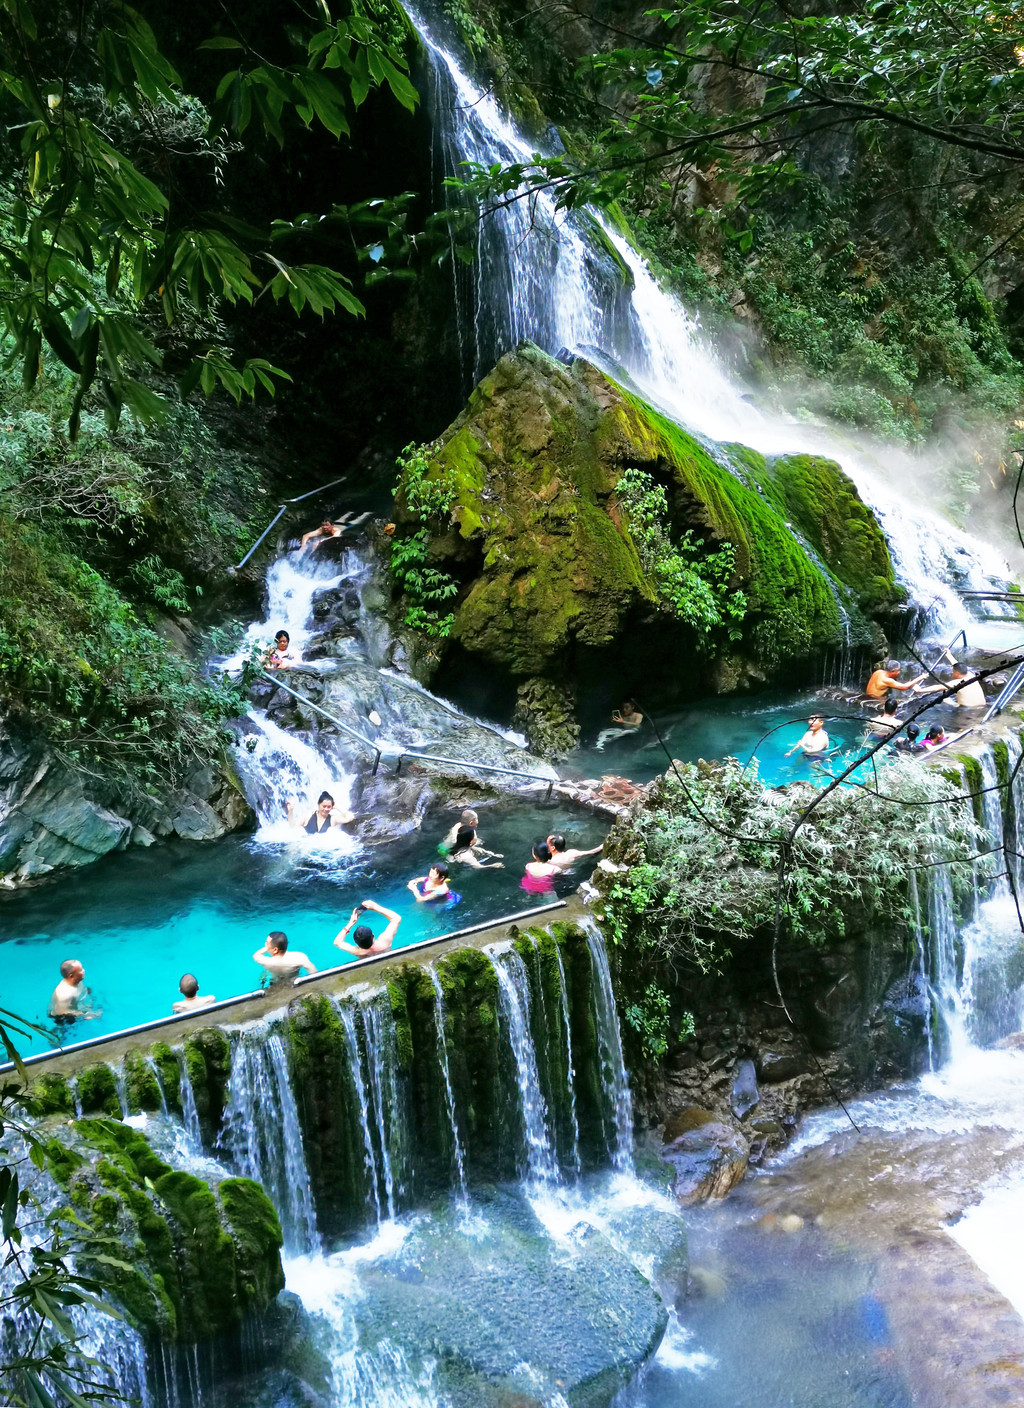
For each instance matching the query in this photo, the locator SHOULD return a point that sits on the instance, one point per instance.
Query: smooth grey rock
(708, 1162)
(195, 820)
(512, 1315)
(745, 1094)
(774, 1066)
(142, 837)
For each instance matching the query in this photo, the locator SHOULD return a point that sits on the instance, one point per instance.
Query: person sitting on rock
(815, 742)
(281, 966)
(190, 996)
(316, 536)
(563, 858)
(363, 940)
(627, 719)
(540, 871)
(281, 656)
(70, 1000)
(468, 851)
(322, 819)
(432, 886)
(887, 676)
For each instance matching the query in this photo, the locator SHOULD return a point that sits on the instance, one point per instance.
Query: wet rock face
(707, 1159)
(53, 818)
(542, 548)
(545, 713)
(513, 1315)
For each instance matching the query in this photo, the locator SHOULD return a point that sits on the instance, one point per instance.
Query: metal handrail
(285, 506)
(403, 753)
(1007, 692)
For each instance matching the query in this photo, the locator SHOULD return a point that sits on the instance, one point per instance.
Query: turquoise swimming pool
(139, 920)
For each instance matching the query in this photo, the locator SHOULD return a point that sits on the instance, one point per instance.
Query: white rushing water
(542, 274)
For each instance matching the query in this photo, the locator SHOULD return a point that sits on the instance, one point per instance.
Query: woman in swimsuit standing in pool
(541, 871)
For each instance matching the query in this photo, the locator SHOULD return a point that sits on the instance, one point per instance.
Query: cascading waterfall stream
(514, 1001)
(542, 274)
(458, 1153)
(570, 1067)
(613, 1068)
(262, 1135)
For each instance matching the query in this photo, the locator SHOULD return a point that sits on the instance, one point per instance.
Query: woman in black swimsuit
(322, 819)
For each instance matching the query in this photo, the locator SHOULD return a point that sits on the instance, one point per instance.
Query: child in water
(432, 886)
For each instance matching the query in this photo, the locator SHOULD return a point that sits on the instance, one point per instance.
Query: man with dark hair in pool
(564, 858)
(320, 820)
(365, 942)
(190, 998)
(69, 1000)
(282, 966)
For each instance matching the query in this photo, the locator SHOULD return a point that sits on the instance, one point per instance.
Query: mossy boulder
(542, 550)
(196, 1258)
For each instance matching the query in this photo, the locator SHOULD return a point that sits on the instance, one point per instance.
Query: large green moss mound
(543, 550)
(197, 1258)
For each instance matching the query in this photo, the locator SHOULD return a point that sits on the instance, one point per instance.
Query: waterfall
(614, 1079)
(278, 767)
(189, 1113)
(569, 1064)
(121, 1085)
(155, 1069)
(261, 1132)
(546, 274)
(992, 811)
(514, 1004)
(370, 1043)
(442, 1056)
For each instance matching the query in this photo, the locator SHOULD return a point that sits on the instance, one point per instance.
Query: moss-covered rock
(543, 548)
(198, 1257)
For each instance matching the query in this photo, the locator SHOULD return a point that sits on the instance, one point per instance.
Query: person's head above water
(282, 638)
(189, 985)
(72, 971)
(815, 722)
(470, 818)
(438, 871)
(325, 804)
(556, 842)
(277, 941)
(890, 706)
(913, 733)
(464, 837)
(541, 851)
(935, 735)
(362, 936)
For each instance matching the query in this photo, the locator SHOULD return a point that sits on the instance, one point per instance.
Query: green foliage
(691, 583)
(705, 877)
(651, 1019)
(429, 498)
(95, 242)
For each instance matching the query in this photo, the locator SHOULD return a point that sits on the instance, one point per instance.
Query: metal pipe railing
(404, 753)
(285, 506)
(1007, 692)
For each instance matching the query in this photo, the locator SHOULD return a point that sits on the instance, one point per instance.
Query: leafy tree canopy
(102, 243)
(733, 84)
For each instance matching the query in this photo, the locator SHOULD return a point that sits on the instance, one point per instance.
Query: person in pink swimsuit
(541, 871)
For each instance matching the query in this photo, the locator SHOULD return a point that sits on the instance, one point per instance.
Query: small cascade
(371, 1046)
(75, 1096)
(1015, 812)
(922, 962)
(459, 1153)
(121, 1083)
(614, 1079)
(514, 1003)
(277, 768)
(261, 1133)
(189, 1113)
(570, 1067)
(992, 811)
(155, 1070)
(942, 958)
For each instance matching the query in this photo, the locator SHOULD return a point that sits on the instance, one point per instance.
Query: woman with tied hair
(322, 819)
(467, 851)
(541, 871)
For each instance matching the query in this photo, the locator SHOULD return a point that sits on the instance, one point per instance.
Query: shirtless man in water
(815, 741)
(283, 967)
(887, 677)
(66, 1002)
(563, 857)
(316, 536)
